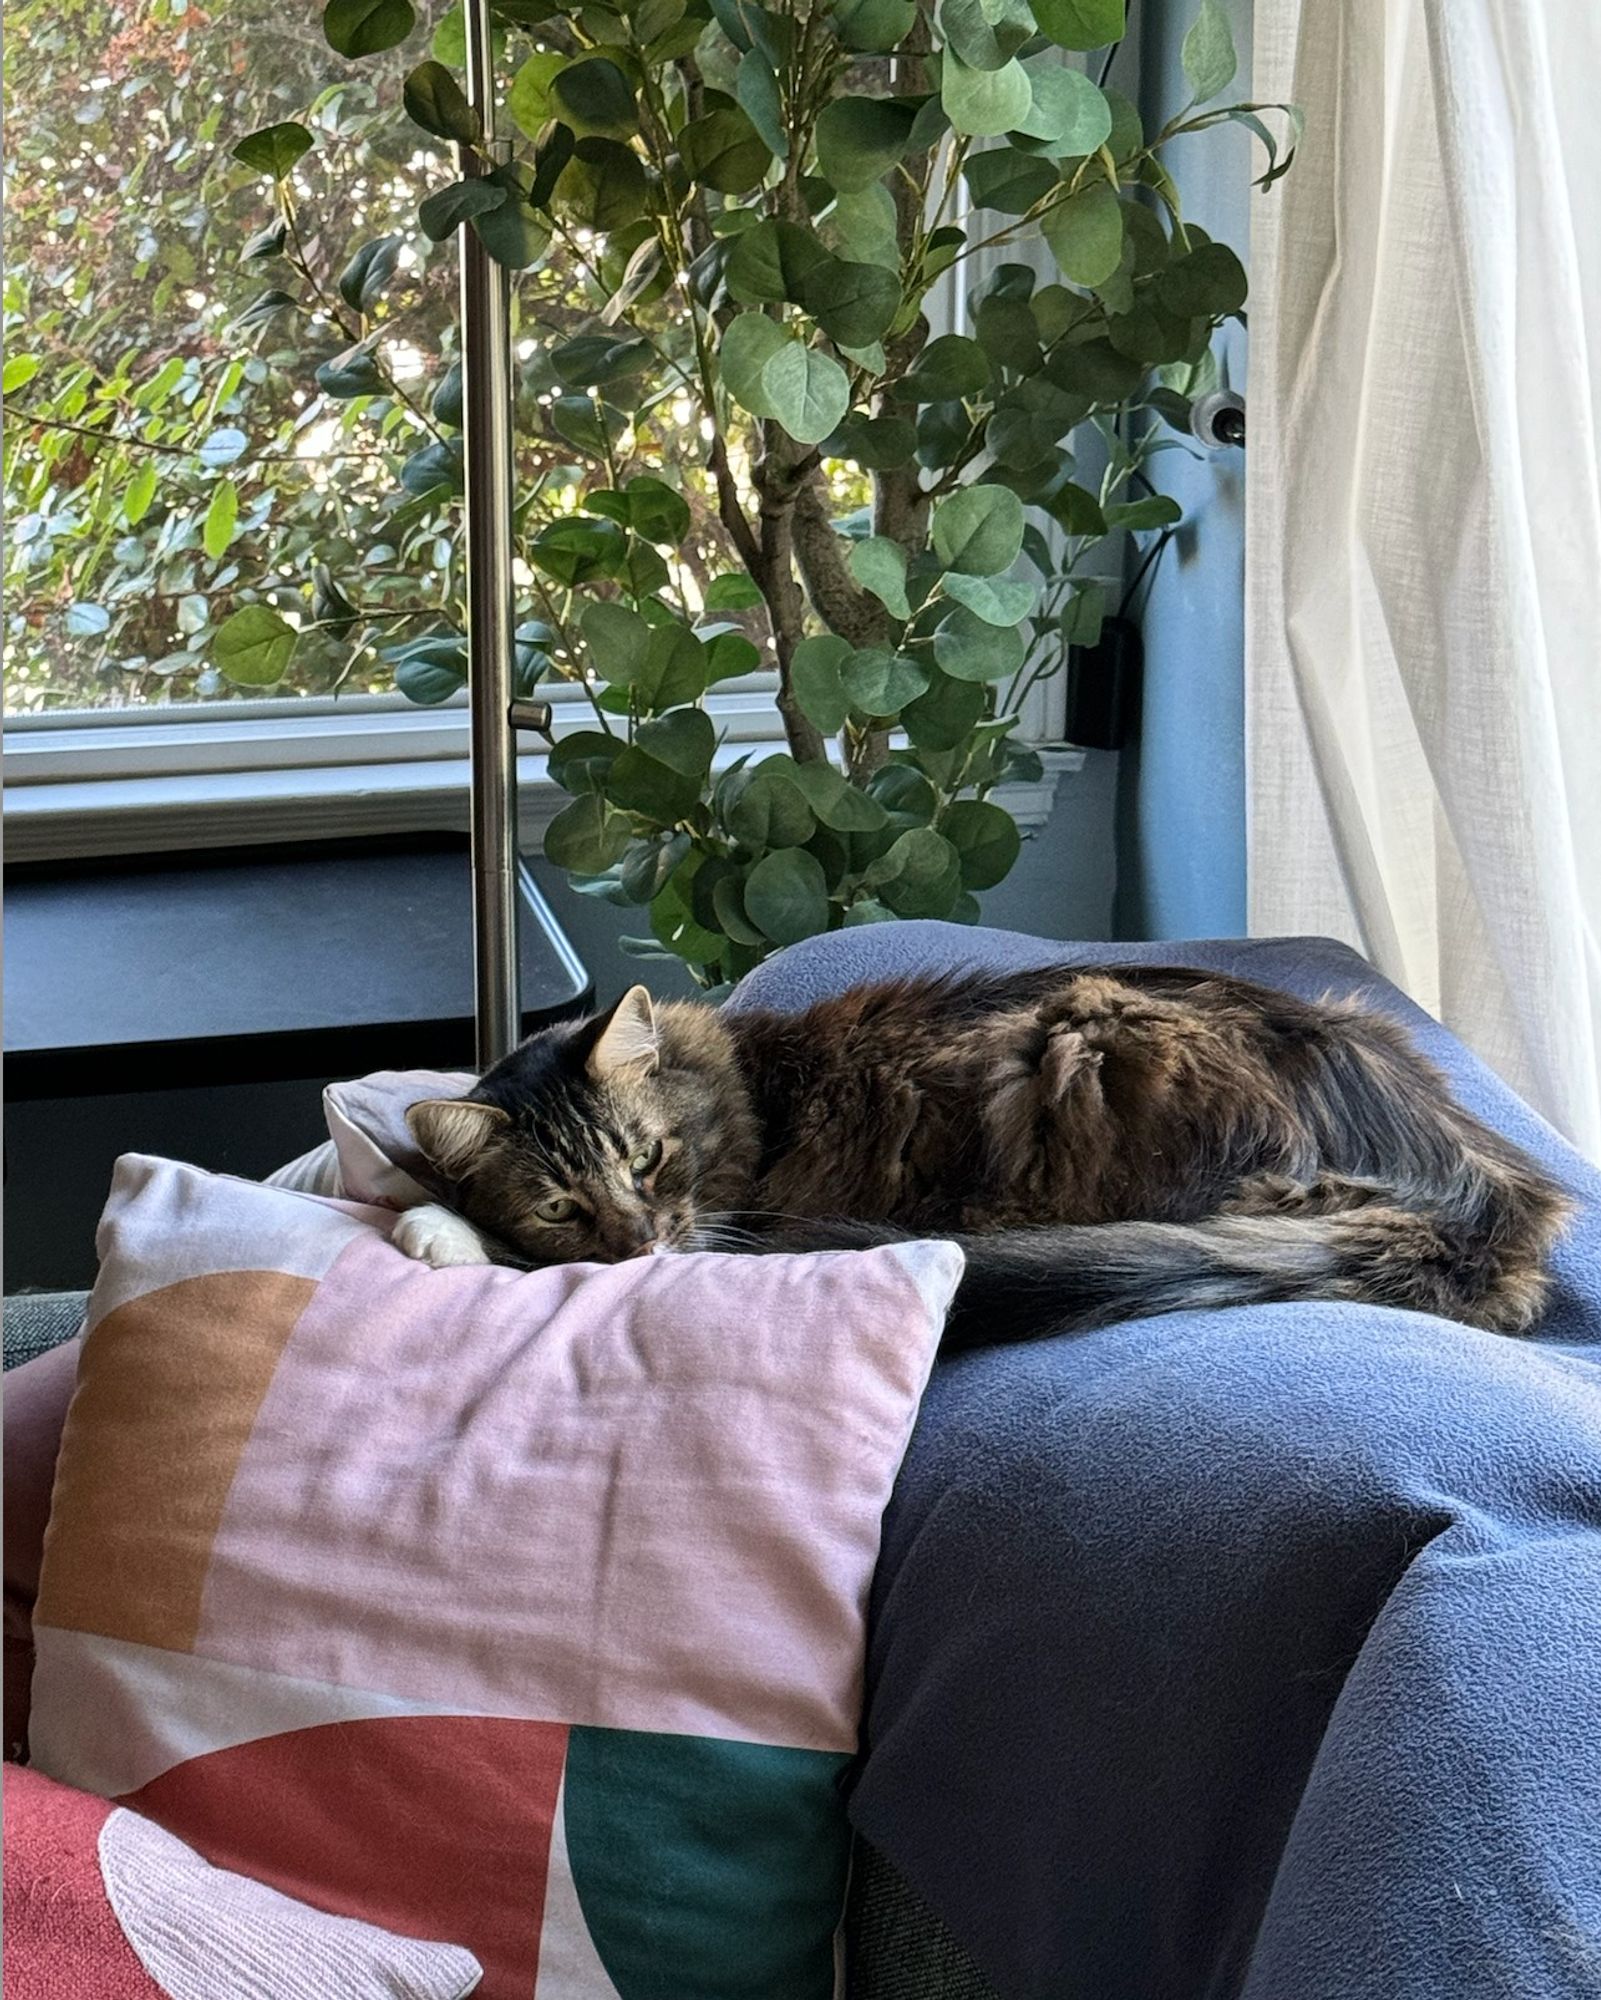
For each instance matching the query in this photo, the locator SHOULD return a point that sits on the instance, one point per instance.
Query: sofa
(1244, 1653)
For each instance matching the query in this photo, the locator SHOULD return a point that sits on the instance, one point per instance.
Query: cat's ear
(452, 1131)
(627, 1039)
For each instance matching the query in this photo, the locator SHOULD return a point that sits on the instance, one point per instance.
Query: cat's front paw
(434, 1235)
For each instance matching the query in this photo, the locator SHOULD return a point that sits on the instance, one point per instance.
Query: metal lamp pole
(486, 423)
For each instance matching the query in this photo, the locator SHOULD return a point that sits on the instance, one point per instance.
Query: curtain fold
(1423, 629)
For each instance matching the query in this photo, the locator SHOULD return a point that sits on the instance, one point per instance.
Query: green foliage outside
(738, 443)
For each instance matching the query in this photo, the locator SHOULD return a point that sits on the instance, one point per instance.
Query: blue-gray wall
(1181, 789)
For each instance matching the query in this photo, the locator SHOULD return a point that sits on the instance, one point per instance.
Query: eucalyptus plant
(762, 207)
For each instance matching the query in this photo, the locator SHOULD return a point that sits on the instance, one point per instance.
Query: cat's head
(570, 1148)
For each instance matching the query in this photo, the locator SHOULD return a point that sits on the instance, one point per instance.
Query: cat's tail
(1472, 1249)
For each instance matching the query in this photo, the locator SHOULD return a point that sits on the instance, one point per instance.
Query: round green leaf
(836, 802)
(950, 367)
(725, 151)
(1206, 283)
(985, 837)
(868, 910)
(767, 809)
(732, 592)
(367, 27)
(905, 794)
(814, 675)
(807, 391)
(589, 425)
(441, 464)
(618, 640)
(728, 906)
(861, 227)
(1151, 510)
(451, 206)
(657, 511)
(1085, 233)
(1068, 113)
(675, 667)
(1081, 24)
(881, 683)
(729, 654)
(591, 360)
(946, 715)
(603, 186)
(578, 551)
(853, 303)
(768, 265)
(879, 565)
(647, 865)
(435, 101)
(579, 762)
(587, 836)
(749, 343)
(874, 26)
(651, 785)
(968, 649)
(253, 647)
(529, 99)
(362, 281)
(274, 149)
(979, 530)
(432, 671)
(881, 444)
(984, 102)
(353, 373)
(860, 138)
(985, 34)
(592, 96)
(1008, 181)
(515, 234)
(919, 876)
(786, 896)
(998, 600)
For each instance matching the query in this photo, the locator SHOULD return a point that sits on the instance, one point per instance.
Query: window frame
(108, 781)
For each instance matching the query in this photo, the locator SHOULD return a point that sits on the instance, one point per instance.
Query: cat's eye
(646, 1160)
(559, 1208)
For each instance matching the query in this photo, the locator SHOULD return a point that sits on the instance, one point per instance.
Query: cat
(1103, 1143)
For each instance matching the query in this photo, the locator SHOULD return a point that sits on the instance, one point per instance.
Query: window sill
(121, 813)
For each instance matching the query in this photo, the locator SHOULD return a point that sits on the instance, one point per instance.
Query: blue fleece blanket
(1257, 1652)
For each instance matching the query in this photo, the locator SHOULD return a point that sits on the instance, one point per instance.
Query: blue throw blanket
(1257, 1652)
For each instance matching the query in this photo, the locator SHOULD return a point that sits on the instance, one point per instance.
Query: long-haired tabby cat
(1102, 1143)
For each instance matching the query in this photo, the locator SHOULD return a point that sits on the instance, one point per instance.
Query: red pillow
(36, 1399)
(62, 1940)
(103, 1904)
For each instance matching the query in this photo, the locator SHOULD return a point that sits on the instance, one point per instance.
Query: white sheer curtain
(1424, 566)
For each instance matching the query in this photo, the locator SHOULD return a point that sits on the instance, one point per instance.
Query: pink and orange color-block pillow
(519, 1610)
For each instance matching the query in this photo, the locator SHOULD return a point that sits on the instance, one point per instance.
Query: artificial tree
(760, 454)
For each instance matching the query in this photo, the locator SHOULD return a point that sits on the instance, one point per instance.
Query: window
(226, 391)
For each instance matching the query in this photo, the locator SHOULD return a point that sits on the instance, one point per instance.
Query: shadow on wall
(1180, 815)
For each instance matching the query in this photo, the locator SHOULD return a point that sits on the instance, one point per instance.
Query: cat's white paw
(434, 1235)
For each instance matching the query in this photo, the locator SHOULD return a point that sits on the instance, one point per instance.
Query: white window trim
(126, 782)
